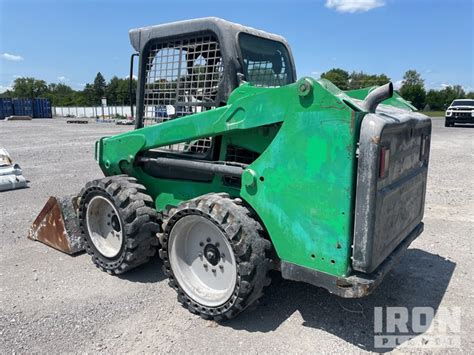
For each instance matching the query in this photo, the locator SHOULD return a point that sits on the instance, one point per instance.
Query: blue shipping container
(42, 108)
(23, 107)
(6, 108)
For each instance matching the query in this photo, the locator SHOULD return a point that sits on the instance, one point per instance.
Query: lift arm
(248, 107)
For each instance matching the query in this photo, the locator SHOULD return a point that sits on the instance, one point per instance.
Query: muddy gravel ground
(52, 302)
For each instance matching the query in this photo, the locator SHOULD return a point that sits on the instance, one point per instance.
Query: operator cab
(192, 66)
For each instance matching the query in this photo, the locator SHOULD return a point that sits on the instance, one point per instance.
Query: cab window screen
(182, 78)
(266, 62)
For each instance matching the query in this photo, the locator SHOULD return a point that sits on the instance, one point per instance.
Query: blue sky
(71, 40)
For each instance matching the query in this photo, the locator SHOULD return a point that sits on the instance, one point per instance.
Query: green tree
(435, 100)
(7, 94)
(112, 91)
(80, 99)
(124, 91)
(470, 95)
(412, 77)
(451, 93)
(358, 80)
(99, 87)
(61, 94)
(29, 88)
(458, 91)
(413, 89)
(338, 77)
(89, 95)
(118, 90)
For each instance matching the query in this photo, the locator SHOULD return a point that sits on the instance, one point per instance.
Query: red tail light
(384, 162)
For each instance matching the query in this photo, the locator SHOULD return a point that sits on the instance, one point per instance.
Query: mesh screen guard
(186, 75)
(182, 78)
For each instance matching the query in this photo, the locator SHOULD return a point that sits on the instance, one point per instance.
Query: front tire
(119, 223)
(216, 256)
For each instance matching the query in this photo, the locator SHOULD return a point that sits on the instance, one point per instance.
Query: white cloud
(5, 88)
(353, 6)
(63, 78)
(12, 57)
(437, 85)
(133, 76)
(398, 84)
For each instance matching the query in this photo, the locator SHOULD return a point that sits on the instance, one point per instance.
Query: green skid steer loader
(235, 168)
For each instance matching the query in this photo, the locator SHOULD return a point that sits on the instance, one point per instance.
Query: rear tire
(229, 284)
(119, 223)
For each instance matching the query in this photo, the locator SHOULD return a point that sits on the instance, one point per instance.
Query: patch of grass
(434, 114)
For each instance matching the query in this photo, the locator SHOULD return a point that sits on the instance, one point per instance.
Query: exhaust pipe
(378, 95)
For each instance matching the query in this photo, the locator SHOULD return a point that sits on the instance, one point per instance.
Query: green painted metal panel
(304, 183)
(396, 100)
(301, 186)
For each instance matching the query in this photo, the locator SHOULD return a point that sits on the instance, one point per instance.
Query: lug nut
(208, 240)
(201, 244)
(217, 245)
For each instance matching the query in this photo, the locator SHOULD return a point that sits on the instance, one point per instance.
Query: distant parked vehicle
(125, 122)
(460, 111)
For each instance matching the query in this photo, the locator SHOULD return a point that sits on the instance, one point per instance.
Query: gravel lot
(51, 302)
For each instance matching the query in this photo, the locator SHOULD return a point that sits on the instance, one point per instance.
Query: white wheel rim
(104, 226)
(202, 260)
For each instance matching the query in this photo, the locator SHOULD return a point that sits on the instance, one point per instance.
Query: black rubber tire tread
(252, 249)
(140, 222)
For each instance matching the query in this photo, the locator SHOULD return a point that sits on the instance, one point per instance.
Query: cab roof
(225, 30)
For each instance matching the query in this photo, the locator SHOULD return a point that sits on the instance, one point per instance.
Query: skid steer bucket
(57, 225)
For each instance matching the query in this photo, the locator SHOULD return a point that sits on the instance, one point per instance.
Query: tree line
(116, 91)
(412, 88)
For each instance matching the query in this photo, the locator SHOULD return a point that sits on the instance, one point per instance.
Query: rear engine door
(391, 183)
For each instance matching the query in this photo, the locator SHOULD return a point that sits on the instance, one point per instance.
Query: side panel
(391, 185)
(304, 184)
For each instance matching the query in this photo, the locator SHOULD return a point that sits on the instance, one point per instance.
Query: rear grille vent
(238, 155)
